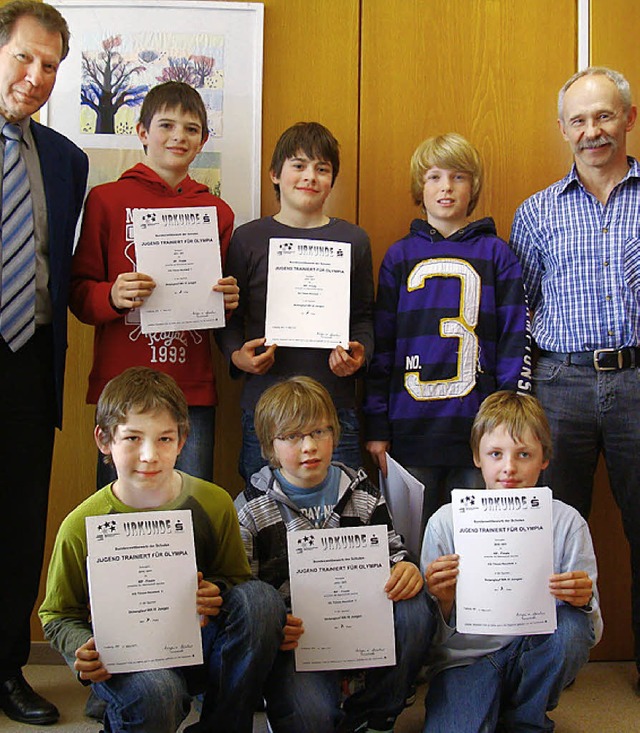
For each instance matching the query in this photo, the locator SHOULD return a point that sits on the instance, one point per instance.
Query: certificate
(180, 250)
(308, 293)
(337, 581)
(142, 586)
(404, 495)
(505, 541)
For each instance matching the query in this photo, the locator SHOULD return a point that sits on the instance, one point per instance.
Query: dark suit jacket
(64, 173)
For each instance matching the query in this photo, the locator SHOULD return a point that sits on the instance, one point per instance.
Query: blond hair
(290, 407)
(517, 413)
(451, 152)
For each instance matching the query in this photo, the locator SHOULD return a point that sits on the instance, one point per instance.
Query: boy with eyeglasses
(297, 426)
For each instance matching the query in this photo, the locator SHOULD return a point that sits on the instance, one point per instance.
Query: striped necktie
(18, 293)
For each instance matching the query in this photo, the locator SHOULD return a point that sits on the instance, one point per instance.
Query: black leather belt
(602, 360)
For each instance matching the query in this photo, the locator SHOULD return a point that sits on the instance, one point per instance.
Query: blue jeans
(347, 451)
(239, 648)
(196, 458)
(309, 702)
(591, 413)
(438, 482)
(514, 686)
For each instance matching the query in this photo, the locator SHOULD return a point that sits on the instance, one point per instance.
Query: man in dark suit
(34, 38)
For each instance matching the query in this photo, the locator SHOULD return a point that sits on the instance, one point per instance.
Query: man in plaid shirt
(579, 245)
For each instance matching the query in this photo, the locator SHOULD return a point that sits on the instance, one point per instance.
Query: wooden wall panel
(615, 24)
(488, 69)
(311, 74)
(75, 456)
(614, 581)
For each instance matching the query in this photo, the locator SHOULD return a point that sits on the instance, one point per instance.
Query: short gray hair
(616, 77)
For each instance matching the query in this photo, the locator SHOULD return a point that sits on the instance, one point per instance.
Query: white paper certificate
(308, 293)
(337, 581)
(142, 585)
(180, 250)
(404, 495)
(505, 541)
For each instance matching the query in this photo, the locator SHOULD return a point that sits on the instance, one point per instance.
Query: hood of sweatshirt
(143, 175)
(486, 226)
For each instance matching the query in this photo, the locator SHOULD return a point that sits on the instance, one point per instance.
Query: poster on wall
(120, 49)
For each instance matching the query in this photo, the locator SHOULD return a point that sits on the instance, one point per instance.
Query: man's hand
(378, 450)
(405, 581)
(574, 587)
(88, 664)
(292, 631)
(228, 286)
(442, 577)
(345, 363)
(131, 289)
(248, 361)
(208, 600)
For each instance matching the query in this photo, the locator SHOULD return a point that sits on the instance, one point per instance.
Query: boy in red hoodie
(107, 289)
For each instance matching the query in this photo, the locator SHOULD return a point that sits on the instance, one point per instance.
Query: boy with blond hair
(142, 423)
(107, 289)
(298, 427)
(304, 167)
(509, 682)
(450, 326)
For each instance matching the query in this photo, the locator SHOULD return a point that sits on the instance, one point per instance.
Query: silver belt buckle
(599, 368)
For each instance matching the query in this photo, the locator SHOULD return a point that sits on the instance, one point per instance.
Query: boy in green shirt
(142, 424)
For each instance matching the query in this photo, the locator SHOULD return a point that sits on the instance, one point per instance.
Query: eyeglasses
(319, 434)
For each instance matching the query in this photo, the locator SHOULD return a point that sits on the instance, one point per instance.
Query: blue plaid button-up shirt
(581, 264)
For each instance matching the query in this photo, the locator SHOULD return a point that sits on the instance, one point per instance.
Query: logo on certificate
(468, 503)
(308, 542)
(148, 219)
(106, 529)
(285, 248)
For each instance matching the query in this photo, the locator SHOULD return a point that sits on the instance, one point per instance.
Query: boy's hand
(246, 359)
(345, 363)
(574, 587)
(293, 630)
(405, 581)
(378, 450)
(131, 289)
(88, 664)
(208, 600)
(442, 577)
(231, 292)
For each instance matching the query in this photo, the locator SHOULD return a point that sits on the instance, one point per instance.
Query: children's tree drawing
(108, 84)
(179, 69)
(202, 68)
(119, 68)
(193, 70)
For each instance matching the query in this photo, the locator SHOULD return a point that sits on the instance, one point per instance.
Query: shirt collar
(572, 179)
(25, 124)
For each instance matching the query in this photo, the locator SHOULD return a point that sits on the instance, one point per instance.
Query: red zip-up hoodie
(106, 249)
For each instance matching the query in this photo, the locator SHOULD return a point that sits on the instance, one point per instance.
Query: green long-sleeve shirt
(220, 556)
